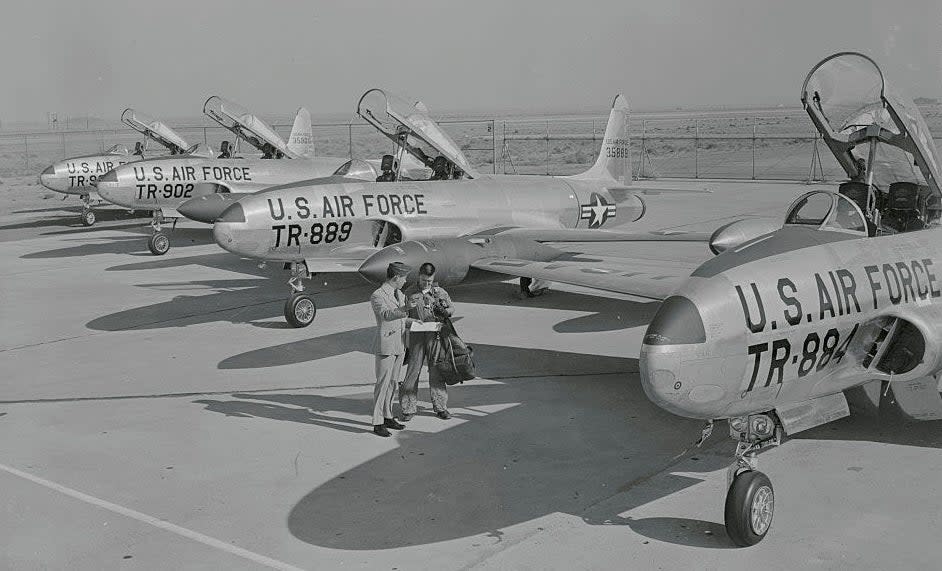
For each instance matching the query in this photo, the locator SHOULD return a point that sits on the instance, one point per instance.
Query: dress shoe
(380, 430)
(443, 414)
(406, 417)
(391, 423)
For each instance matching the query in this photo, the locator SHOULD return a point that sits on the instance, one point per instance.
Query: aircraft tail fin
(301, 139)
(614, 160)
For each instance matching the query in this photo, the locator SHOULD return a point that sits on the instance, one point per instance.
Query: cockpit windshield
(410, 126)
(357, 169)
(117, 150)
(154, 129)
(200, 150)
(246, 126)
(827, 210)
(876, 134)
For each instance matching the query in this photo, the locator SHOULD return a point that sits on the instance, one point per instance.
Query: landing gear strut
(533, 288)
(300, 308)
(750, 499)
(88, 215)
(158, 243)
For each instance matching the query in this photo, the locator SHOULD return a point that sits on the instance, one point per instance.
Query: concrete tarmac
(157, 413)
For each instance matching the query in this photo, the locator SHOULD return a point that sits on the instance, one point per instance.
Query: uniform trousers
(409, 390)
(387, 373)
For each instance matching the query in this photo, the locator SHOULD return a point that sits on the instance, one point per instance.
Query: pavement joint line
(153, 521)
(278, 389)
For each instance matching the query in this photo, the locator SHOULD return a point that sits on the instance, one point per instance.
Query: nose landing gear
(158, 243)
(300, 308)
(750, 498)
(88, 215)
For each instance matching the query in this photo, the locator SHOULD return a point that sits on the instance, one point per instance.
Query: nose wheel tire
(158, 244)
(300, 310)
(750, 503)
(88, 217)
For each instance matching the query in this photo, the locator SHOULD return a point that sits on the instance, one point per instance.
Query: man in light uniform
(429, 303)
(390, 308)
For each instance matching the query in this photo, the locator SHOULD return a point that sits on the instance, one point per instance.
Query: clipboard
(425, 326)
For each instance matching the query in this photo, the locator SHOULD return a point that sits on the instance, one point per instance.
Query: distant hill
(925, 101)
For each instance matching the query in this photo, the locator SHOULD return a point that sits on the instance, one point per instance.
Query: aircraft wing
(636, 277)
(563, 235)
(333, 265)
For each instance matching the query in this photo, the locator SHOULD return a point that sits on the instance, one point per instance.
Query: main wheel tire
(750, 504)
(525, 288)
(300, 310)
(158, 244)
(88, 217)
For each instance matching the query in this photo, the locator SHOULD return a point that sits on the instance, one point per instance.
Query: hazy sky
(166, 56)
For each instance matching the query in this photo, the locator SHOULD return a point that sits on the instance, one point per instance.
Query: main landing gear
(88, 215)
(158, 243)
(750, 498)
(300, 308)
(533, 288)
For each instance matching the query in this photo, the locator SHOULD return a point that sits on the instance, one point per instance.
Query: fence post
(62, 139)
(205, 139)
(546, 132)
(641, 170)
(753, 148)
(350, 138)
(494, 143)
(696, 152)
(26, 144)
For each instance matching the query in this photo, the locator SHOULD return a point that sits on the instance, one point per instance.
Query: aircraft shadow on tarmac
(70, 217)
(529, 447)
(135, 244)
(257, 301)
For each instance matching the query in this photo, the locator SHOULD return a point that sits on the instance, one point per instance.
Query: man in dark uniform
(429, 303)
(388, 165)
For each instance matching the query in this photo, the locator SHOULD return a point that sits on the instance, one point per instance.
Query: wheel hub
(763, 504)
(304, 310)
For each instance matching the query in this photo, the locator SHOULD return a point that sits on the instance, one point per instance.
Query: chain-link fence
(774, 147)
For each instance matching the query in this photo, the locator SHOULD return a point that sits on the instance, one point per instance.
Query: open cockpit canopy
(247, 127)
(412, 129)
(154, 129)
(875, 132)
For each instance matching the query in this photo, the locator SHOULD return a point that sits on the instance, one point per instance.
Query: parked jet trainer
(162, 184)
(78, 175)
(454, 218)
(841, 301)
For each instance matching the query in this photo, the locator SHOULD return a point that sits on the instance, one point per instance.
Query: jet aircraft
(840, 302)
(162, 184)
(78, 175)
(456, 217)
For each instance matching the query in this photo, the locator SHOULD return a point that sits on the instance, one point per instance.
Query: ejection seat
(905, 207)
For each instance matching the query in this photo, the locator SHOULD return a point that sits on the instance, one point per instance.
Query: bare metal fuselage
(167, 182)
(793, 318)
(300, 222)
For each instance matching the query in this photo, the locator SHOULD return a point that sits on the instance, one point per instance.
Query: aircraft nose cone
(226, 230)
(47, 178)
(206, 209)
(674, 335)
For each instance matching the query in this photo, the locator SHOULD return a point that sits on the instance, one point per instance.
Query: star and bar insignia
(597, 212)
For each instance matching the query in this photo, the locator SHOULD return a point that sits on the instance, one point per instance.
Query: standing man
(390, 308)
(428, 303)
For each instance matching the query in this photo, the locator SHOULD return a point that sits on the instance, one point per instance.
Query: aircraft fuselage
(299, 222)
(794, 317)
(167, 182)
